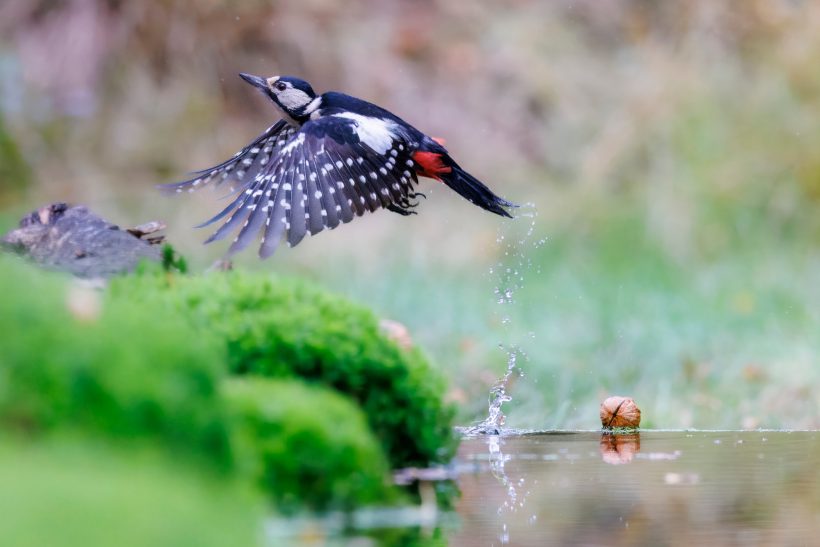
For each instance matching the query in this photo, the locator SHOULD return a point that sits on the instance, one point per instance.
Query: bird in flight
(331, 158)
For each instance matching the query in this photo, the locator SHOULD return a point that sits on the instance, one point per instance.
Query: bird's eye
(281, 86)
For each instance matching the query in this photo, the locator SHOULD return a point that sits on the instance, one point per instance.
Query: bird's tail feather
(476, 192)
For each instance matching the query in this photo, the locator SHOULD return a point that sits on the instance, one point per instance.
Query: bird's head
(294, 96)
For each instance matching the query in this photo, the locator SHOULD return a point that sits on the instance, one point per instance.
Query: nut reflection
(619, 449)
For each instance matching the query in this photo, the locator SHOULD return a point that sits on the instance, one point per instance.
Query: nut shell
(620, 412)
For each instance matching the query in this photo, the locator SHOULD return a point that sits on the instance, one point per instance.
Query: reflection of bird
(331, 158)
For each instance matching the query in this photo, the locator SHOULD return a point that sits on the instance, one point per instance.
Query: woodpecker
(331, 158)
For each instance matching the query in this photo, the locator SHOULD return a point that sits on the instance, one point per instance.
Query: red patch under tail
(430, 164)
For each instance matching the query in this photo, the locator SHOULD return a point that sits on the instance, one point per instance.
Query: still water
(656, 488)
(652, 488)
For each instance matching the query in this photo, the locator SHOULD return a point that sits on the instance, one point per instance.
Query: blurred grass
(76, 492)
(670, 150)
(723, 343)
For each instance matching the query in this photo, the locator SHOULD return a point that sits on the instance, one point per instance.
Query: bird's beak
(255, 81)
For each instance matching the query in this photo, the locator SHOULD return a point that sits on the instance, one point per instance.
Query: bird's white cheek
(293, 99)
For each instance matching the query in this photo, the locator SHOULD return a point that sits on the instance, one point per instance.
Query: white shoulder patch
(377, 133)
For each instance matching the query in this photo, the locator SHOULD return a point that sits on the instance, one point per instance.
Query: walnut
(620, 412)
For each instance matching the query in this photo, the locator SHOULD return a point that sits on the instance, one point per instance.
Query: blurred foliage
(410, 537)
(281, 327)
(172, 261)
(72, 493)
(133, 367)
(603, 309)
(15, 174)
(306, 445)
(120, 370)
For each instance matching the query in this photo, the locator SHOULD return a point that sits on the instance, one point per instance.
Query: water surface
(652, 488)
(656, 488)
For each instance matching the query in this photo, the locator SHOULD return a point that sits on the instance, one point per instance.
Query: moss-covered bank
(305, 445)
(279, 327)
(268, 382)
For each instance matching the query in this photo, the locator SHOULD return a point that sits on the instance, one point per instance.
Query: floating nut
(620, 412)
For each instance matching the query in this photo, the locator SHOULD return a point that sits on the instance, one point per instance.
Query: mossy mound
(120, 370)
(306, 444)
(127, 372)
(278, 327)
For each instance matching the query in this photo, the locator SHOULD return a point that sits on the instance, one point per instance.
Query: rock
(73, 239)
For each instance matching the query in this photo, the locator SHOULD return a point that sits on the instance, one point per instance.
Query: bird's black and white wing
(329, 171)
(241, 169)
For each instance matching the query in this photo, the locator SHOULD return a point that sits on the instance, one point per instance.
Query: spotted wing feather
(296, 227)
(243, 166)
(324, 192)
(319, 177)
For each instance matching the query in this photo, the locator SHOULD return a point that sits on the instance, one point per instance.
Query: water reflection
(617, 449)
(568, 488)
(515, 487)
(656, 488)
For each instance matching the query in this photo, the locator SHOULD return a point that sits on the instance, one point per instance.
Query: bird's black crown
(297, 83)
(293, 95)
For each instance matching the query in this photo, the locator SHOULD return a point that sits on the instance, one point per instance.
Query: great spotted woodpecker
(331, 158)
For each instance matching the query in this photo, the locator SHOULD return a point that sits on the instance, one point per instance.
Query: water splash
(515, 490)
(512, 272)
(495, 419)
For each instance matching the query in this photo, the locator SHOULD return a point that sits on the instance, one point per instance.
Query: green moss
(283, 328)
(172, 261)
(71, 493)
(131, 368)
(306, 445)
(409, 537)
(118, 369)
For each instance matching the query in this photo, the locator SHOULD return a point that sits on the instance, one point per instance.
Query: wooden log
(73, 239)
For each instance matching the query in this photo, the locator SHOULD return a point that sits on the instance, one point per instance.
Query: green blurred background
(669, 151)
